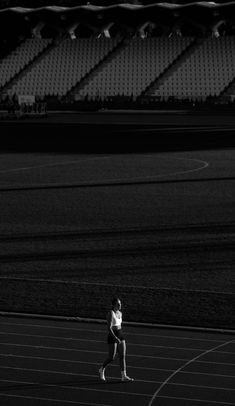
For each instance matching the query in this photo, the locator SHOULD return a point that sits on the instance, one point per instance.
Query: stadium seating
(63, 67)
(115, 69)
(132, 70)
(20, 58)
(205, 73)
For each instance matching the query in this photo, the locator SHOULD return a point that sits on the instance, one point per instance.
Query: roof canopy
(201, 13)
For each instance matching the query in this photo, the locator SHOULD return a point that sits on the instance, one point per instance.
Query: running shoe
(127, 379)
(101, 373)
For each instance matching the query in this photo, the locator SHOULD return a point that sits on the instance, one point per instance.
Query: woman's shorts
(118, 334)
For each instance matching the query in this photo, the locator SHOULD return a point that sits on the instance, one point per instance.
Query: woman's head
(116, 303)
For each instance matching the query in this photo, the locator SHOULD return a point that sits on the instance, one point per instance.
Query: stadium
(66, 57)
(117, 173)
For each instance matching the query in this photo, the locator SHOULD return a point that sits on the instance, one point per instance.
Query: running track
(55, 362)
(49, 362)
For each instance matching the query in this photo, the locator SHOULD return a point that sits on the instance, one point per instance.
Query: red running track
(55, 362)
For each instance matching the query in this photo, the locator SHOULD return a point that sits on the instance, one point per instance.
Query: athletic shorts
(118, 334)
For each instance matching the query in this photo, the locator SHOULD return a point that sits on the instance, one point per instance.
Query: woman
(116, 340)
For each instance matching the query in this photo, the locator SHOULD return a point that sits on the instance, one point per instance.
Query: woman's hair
(115, 300)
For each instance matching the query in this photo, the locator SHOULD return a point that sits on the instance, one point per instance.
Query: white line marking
(114, 180)
(102, 342)
(207, 374)
(64, 163)
(198, 386)
(90, 389)
(102, 332)
(51, 400)
(155, 395)
(86, 351)
(197, 400)
(83, 362)
(113, 365)
(63, 281)
(214, 362)
(81, 161)
(48, 371)
(102, 352)
(114, 378)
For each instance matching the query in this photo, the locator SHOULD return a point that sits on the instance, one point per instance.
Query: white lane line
(207, 374)
(90, 389)
(155, 395)
(103, 352)
(214, 362)
(113, 365)
(208, 402)
(46, 371)
(99, 341)
(62, 281)
(102, 331)
(53, 372)
(199, 386)
(84, 362)
(50, 400)
(42, 347)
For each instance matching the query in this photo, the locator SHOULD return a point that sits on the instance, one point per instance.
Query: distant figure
(116, 341)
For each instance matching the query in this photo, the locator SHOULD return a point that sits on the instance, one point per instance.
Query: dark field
(156, 229)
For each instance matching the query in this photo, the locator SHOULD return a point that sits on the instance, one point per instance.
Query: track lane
(69, 374)
(196, 391)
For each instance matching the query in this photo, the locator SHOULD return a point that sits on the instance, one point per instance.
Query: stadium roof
(202, 13)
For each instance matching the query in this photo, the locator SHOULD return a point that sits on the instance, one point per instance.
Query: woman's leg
(111, 356)
(122, 359)
(122, 355)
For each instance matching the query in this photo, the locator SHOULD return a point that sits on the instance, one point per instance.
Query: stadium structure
(71, 55)
(159, 50)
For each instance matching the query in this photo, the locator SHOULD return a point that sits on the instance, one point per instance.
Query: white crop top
(116, 319)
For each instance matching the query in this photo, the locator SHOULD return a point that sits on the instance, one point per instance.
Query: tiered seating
(207, 70)
(229, 93)
(135, 67)
(63, 66)
(19, 58)
(205, 73)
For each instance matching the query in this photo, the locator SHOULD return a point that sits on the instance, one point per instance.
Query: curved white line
(153, 177)
(155, 395)
(117, 181)
(205, 165)
(26, 168)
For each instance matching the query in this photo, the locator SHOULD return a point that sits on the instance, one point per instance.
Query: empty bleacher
(228, 94)
(135, 67)
(20, 58)
(205, 73)
(115, 68)
(63, 67)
